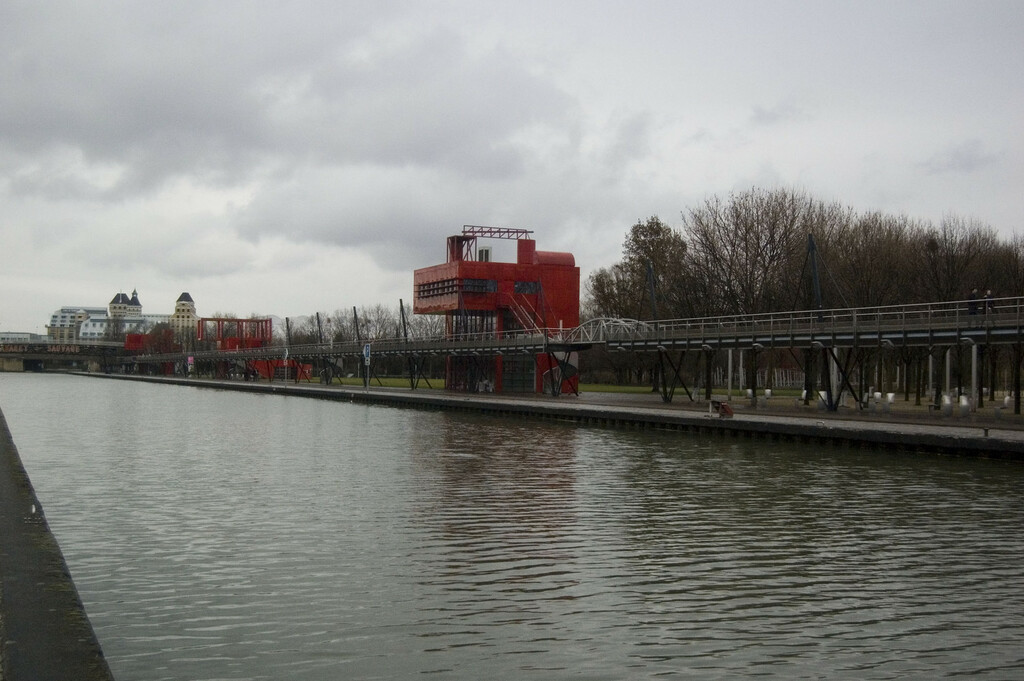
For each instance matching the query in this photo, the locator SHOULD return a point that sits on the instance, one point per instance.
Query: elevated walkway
(920, 325)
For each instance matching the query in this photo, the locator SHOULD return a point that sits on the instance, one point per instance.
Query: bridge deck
(923, 325)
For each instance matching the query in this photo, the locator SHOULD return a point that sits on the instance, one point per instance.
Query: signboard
(366, 354)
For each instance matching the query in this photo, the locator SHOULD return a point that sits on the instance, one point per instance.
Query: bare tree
(425, 325)
(873, 259)
(613, 292)
(652, 264)
(952, 254)
(1006, 268)
(379, 321)
(114, 330)
(748, 251)
(342, 326)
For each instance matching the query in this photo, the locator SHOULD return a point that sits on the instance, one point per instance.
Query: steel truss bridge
(848, 339)
(837, 349)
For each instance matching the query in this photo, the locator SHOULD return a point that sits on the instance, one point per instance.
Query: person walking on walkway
(972, 302)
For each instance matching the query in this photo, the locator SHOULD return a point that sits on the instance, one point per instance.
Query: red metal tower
(537, 294)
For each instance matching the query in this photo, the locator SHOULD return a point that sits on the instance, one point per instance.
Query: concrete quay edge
(44, 630)
(626, 411)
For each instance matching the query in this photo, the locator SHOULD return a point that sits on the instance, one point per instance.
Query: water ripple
(226, 536)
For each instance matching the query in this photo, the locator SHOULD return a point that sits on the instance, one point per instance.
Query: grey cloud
(965, 157)
(394, 215)
(780, 113)
(430, 103)
(114, 82)
(631, 139)
(190, 93)
(51, 183)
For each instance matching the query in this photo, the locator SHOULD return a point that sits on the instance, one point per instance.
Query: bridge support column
(993, 358)
(980, 353)
(879, 386)
(741, 374)
(753, 378)
(920, 382)
(931, 373)
(728, 380)
(974, 376)
(1016, 378)
(836, 379)
(708, 366)
(827, 380)
(862, 381)
(948, 385)
(808, 375)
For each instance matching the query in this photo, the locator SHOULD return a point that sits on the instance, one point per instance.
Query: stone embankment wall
(44, 631)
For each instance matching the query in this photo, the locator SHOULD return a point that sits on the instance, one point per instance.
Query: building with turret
(183, 320)
(123, 315)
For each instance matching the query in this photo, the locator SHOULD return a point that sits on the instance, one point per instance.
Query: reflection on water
(221, 535)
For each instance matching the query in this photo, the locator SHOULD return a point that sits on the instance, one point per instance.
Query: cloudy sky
(290, 157)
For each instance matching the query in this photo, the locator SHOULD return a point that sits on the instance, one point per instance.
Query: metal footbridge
(848, 339)
(919, 325)
(922, 325)
(845, 337)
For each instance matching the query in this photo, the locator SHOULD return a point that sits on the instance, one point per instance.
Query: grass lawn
(609, 388)
(390, 382)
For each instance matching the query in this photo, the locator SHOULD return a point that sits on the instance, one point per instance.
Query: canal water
(221, 535)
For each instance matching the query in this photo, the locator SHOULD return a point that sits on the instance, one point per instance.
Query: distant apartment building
(20, 337)
(65, 322)
(123, 315)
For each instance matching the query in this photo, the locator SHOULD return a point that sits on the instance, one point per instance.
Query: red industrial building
(537, 294)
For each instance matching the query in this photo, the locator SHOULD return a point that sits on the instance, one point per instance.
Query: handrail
(817, 323)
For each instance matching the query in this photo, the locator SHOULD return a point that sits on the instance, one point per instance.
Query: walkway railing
(956, 315)
(948, 321)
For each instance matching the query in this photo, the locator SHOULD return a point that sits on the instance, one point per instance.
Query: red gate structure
(248, 333)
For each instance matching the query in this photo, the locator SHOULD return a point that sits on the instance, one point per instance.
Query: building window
(479, 285)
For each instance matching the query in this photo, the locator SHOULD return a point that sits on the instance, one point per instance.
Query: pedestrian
(990, 306)
(972, 302)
